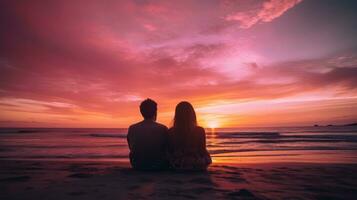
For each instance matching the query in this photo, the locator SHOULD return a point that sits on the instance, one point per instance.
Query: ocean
(328, 144)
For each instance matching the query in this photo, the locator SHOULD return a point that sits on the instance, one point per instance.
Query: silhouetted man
(148, 140)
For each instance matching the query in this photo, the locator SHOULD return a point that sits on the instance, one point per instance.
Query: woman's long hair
(185, 120)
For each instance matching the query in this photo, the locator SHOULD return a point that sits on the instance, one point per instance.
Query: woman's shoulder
(200, 130)
(171, 130)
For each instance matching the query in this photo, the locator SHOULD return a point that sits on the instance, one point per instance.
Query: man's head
(148, 109)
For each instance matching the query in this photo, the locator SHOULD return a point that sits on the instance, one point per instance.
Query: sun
(212, 124)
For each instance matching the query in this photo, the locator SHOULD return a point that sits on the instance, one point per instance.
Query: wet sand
(115, 180)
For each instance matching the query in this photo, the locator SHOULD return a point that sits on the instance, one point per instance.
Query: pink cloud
(150, 27)
(268, 11)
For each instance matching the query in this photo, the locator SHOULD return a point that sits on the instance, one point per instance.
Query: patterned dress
(188, 153)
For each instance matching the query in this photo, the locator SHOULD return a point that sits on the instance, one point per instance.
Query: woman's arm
(202, 139)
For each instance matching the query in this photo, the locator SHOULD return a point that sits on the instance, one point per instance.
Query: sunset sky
(240, 63)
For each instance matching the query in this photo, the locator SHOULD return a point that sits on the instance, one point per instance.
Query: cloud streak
(267, 12)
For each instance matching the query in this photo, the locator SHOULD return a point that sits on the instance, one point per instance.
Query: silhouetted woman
(187, 141)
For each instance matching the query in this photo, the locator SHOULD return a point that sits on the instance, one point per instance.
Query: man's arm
(202, 139)
(128, 137)
(166, 138)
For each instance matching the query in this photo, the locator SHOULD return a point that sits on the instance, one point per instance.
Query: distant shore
(116, 180)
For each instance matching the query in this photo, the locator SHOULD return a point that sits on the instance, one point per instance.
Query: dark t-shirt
(147, 142)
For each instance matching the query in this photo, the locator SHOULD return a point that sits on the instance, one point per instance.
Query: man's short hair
(148, 108)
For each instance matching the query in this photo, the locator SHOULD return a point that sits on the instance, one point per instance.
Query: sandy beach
(116, 180)
(263, 93)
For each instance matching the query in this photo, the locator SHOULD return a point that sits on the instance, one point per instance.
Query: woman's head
(185, 117)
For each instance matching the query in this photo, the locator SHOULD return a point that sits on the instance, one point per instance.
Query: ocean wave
(7, 147)
(110, 135)
(282, 148)
(65, 157)
(244, 135)
(277, 141)
(339, 136)
(271, 136)
(17, 131)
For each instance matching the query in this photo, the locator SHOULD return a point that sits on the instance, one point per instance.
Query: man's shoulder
(161, 126)
(135, 125)
(145, 124)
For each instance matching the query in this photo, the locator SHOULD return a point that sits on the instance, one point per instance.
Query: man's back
(147, 143)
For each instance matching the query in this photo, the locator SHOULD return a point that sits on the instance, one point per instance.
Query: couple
(155, 147)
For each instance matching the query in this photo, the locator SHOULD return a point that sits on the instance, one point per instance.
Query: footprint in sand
(204, 181)
(242, 194)
(173, 181)
(80, 175)
(76, 193)
(16, 179)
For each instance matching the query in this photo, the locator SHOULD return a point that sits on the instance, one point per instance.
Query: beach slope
(115, 180)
